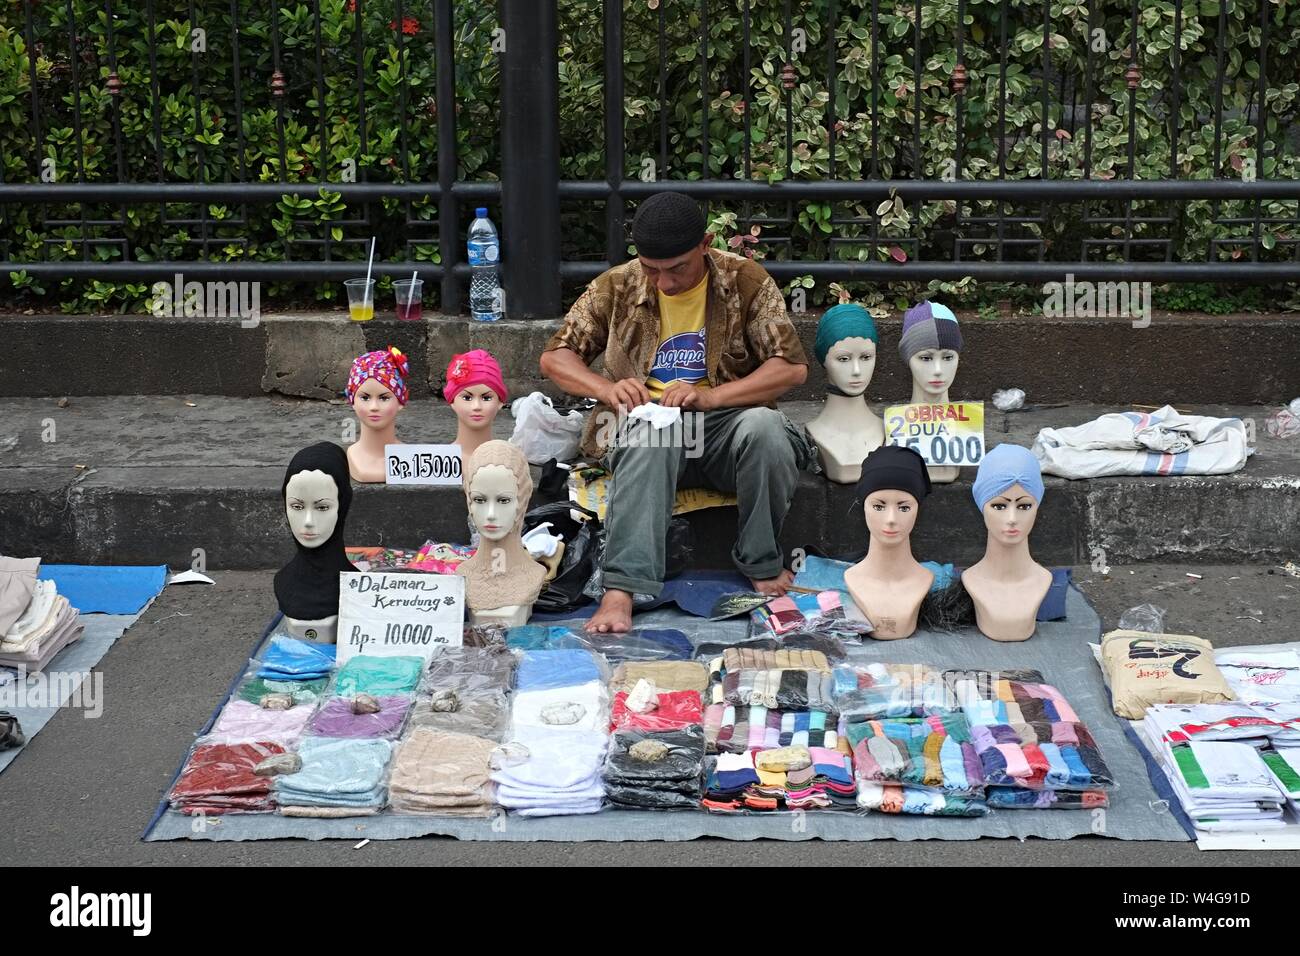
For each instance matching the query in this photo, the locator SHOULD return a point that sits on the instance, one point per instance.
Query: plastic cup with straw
(410, 300)
(361, 292)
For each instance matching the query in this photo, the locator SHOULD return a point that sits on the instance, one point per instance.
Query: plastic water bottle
(485, 298)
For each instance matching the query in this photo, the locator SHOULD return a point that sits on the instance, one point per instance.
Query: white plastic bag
(541, 432)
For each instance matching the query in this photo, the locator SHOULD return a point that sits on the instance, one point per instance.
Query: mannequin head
(494, 501)
(931, 346)
(846, 345)
(376, 387)
(311, 502)
(894, 481)
(498, 486)
(317, 494)
(475, 387)
(1007, 490)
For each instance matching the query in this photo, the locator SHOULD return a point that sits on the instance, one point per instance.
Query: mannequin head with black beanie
(889, 584)
(317, 494)
(671, 239)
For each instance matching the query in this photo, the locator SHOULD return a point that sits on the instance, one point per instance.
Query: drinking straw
(369, 265)
(410, 296)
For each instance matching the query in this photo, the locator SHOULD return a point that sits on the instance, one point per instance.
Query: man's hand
(626, 394)
(687, 397)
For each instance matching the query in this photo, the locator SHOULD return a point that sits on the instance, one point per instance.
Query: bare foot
(614, 614)
(774, 587)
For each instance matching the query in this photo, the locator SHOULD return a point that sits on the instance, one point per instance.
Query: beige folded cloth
(17, 583)
(667, 676)
(746, 658)
(328, 812)
(439, 772)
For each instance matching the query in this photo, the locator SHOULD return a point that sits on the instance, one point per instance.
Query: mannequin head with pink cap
(377, 392)
(475, 390)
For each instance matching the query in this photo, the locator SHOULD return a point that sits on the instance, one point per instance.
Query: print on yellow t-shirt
(680, 357)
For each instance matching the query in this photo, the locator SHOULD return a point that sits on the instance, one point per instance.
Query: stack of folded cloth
(465, 691)
(1262, 675)
(729, 729)
(243, 721)
(338, 778)
(655, 770)
(46, 626)
(291, 659)
(355, 718)
(378, 676)
(219, 778)
(255, 690)
(561, 690)
(545, 772)
(783, 778)
(667, 676)
(1028, 737)
(922, 765)
(441, 773)
(747, 676)
(671, 710)
(822, 613)
(876, 691)
(1221, 760)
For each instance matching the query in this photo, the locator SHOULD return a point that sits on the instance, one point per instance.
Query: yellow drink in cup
(361, 299)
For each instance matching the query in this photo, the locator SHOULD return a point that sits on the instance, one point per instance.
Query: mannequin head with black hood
(889, 584)
(317, 494)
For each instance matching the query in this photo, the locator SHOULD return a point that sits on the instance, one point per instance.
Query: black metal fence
(893, 210)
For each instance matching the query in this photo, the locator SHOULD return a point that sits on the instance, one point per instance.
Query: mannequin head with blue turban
(1008, 489)
(846, 345)
(1006, 586)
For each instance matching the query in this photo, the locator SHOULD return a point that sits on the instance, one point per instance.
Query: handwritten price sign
(948, 434)
(394, 614)
(422, 464)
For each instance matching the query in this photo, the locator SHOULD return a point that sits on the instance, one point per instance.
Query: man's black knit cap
(667, 225)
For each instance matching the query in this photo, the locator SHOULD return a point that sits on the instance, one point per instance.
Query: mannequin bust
(931, 347)
(317, 494)
(475, 390)
(501, 580)
(1006, 585)
(889, 584)
(846, 430)
(376, 391)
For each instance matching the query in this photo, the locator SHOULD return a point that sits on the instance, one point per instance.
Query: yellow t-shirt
(681, 353)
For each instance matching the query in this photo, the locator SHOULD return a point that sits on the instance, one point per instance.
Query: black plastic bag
(581, 546)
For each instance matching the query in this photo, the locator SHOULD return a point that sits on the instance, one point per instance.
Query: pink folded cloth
(243, 721)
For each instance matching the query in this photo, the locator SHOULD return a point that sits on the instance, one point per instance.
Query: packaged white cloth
(1138, 443)
(584, 707)
(552, 772)
(1234, 720)
(1223, 785)
(1261, 676)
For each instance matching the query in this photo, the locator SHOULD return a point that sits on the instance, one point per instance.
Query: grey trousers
(754, 453)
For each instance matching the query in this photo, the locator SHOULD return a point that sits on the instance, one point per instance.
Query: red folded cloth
(677, 709)
(219, 778)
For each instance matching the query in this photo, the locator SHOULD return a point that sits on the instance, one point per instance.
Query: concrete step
(1236, 360)
(151, 479)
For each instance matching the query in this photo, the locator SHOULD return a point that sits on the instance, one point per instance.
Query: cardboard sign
(422, 464)
(951, 433)
(391, 614)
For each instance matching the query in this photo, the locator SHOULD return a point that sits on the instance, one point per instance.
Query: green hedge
(198, 124)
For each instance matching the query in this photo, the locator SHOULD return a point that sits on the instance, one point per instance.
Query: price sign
(393, 614)
(422, 464)
(951, 433)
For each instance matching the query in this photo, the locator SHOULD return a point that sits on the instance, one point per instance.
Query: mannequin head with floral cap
(377, 392)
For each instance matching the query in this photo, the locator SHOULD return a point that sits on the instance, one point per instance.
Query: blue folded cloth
(288, 658)
(337, 773)
(547, 669)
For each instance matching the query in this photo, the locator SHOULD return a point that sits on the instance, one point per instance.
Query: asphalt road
(83, 790)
